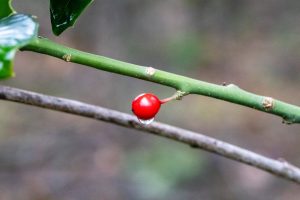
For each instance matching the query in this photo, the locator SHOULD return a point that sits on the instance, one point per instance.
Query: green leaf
(5, 8)
(64, 13)
(15, 31)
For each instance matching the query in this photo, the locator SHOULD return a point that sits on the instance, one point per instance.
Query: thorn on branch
(232, 85)
(287, 121)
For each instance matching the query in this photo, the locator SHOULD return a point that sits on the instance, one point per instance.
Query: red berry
(146, 106)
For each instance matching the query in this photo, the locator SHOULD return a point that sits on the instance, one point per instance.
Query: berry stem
(178, 95)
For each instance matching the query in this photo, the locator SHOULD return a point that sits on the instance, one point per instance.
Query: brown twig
(277, 167)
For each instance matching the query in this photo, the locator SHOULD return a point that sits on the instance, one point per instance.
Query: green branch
(232, 93)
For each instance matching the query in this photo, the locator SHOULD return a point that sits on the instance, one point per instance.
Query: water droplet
(146, 122)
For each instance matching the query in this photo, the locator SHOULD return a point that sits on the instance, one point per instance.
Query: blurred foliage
(157, 169)
(186, 52)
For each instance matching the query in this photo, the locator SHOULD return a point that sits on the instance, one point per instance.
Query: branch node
(150, 71)
(177, 96)
(67, 57)
(268, 103)
(180, 94)
(286, 165)
(281, 160)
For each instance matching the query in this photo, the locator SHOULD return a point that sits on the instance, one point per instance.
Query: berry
(146, 106)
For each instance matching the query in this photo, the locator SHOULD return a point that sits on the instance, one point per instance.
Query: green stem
(232, 93)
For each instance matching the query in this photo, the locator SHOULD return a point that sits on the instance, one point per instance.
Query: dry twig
(277, 167)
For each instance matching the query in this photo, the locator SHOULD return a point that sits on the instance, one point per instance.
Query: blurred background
(47, 155)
